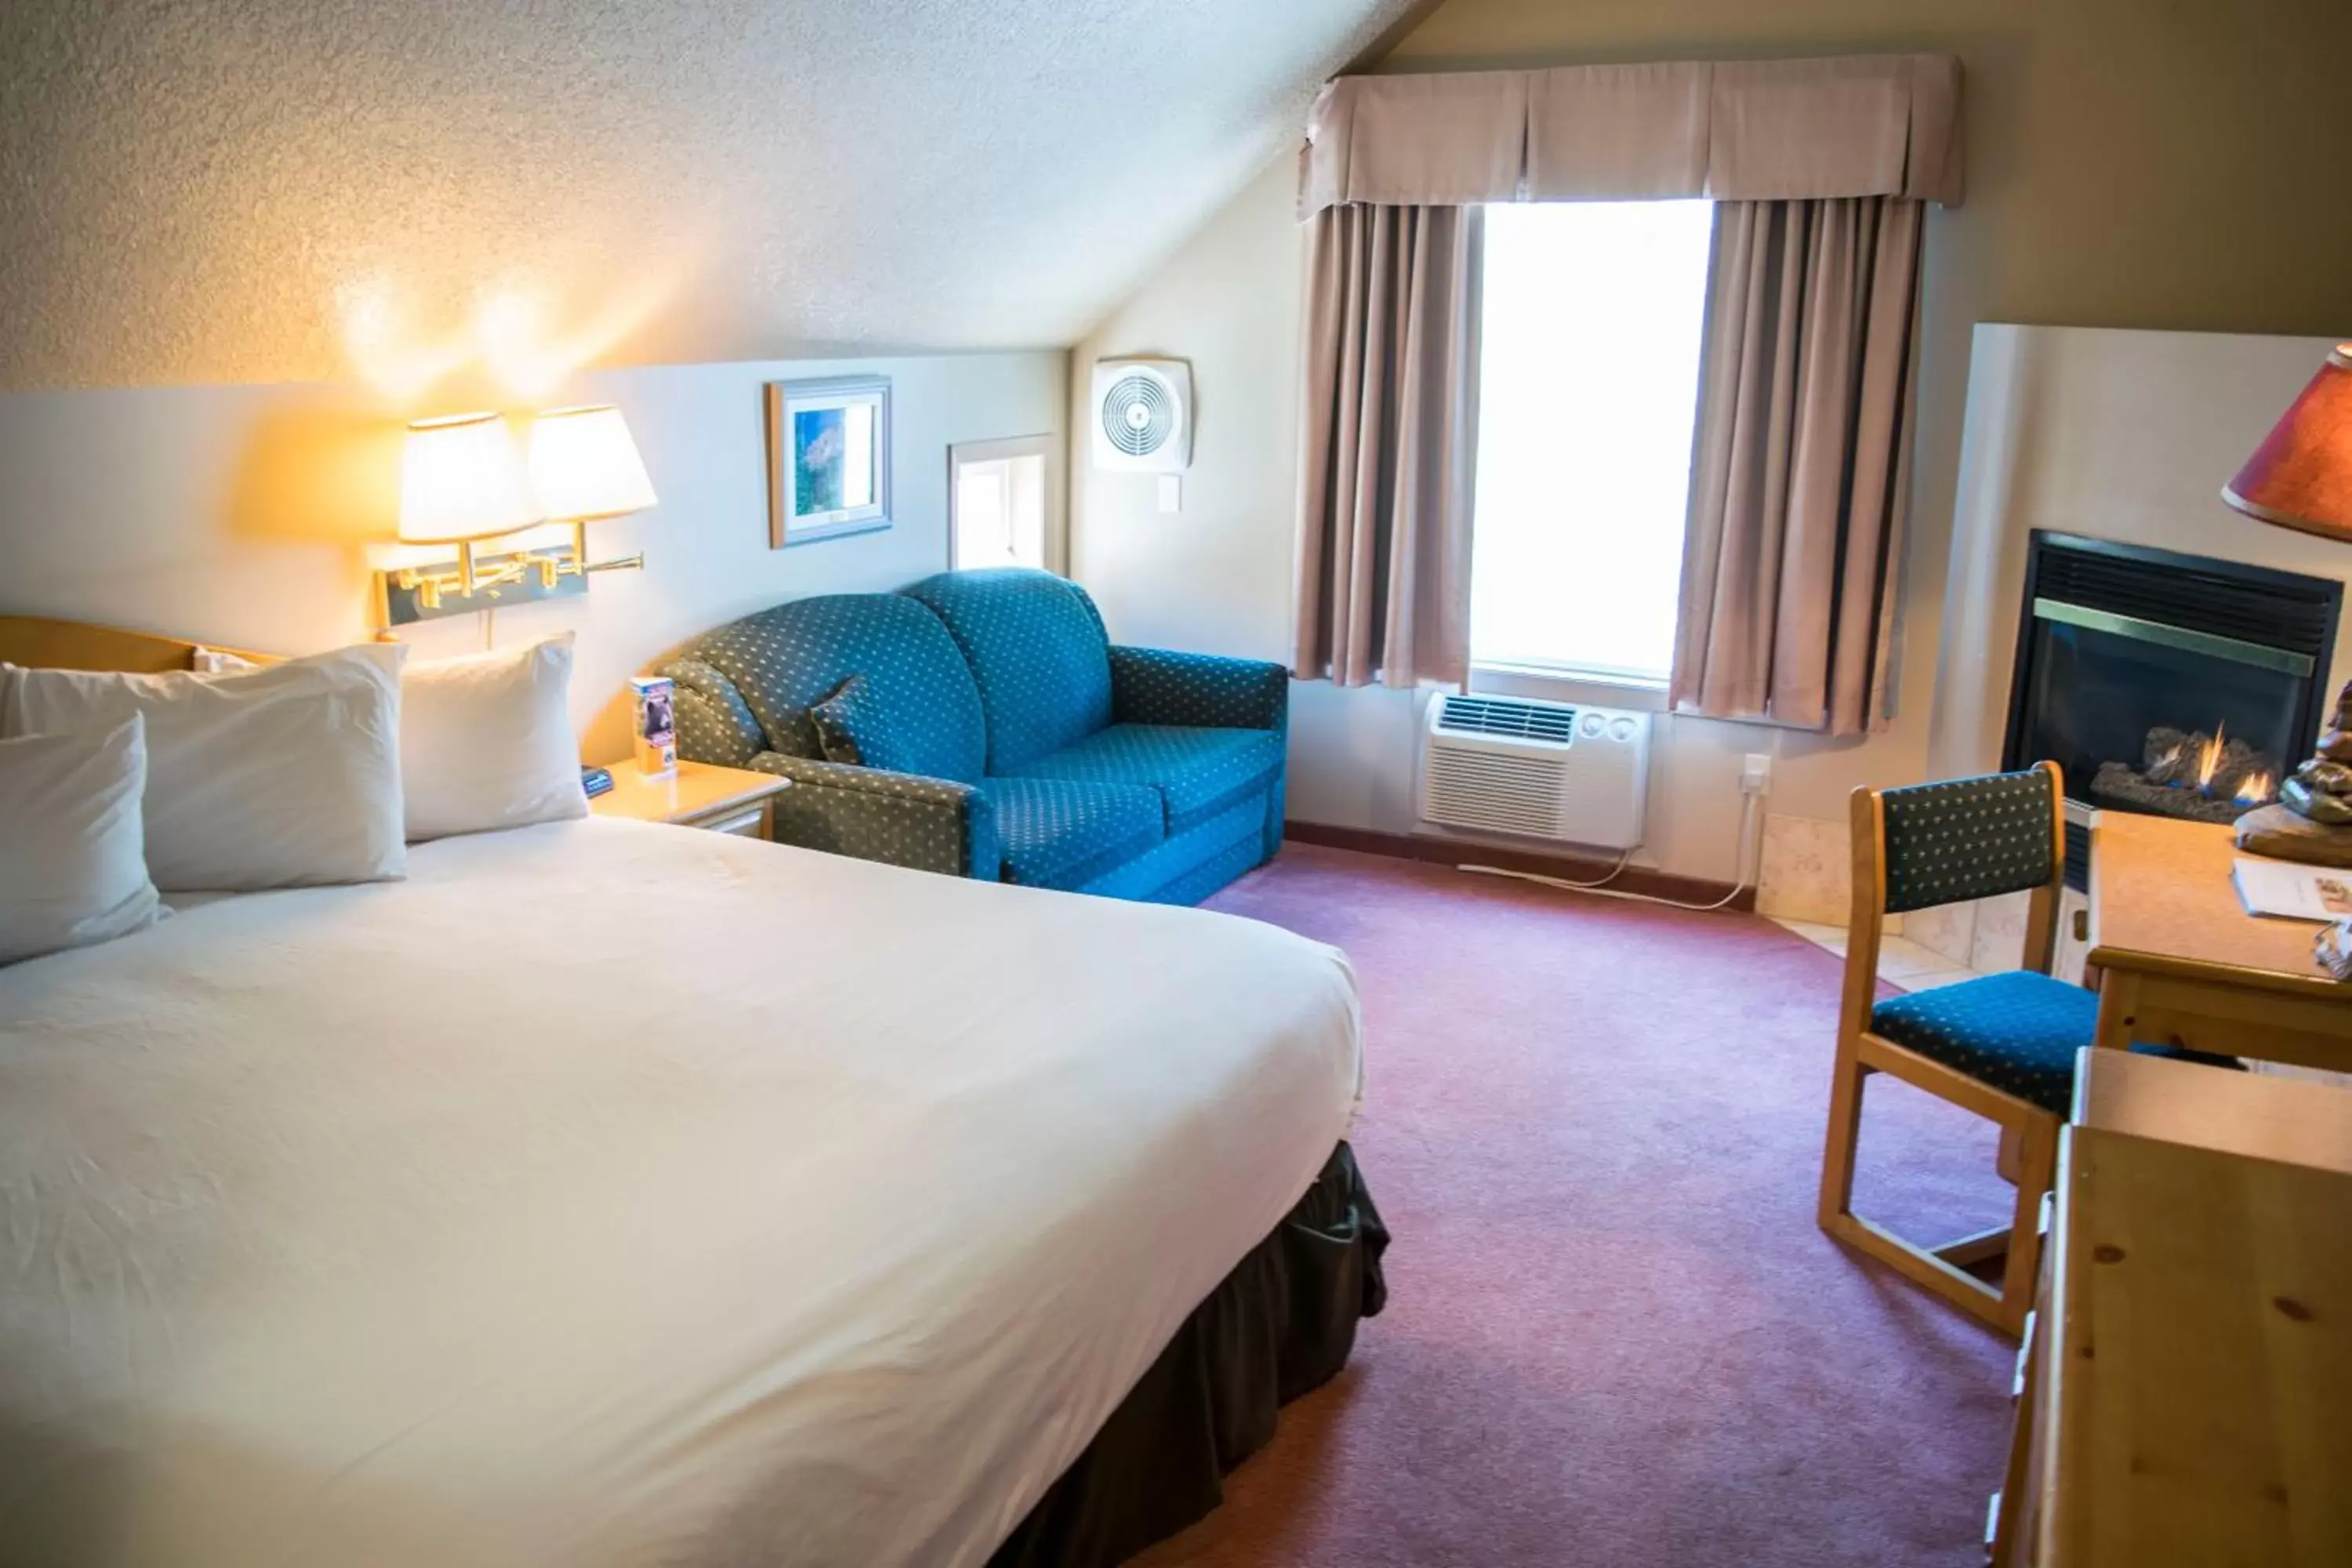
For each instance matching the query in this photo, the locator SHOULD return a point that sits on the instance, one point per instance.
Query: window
(1587, 391)
(996, 502)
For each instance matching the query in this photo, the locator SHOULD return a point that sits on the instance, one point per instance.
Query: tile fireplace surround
(2114, 434)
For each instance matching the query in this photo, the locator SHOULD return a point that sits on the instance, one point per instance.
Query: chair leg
(2008, 1160)
(2037, 1168)
(1838, 1150)
(1946, 1270)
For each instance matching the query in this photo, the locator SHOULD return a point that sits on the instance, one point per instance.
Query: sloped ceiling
(269, 190)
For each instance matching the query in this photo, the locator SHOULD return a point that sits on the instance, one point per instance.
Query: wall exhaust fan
(1575, 774)
(1143, 416)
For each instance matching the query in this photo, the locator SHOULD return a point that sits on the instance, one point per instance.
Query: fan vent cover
(1143, 414)
(1139, 416)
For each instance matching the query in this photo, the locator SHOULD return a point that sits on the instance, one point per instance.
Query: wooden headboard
(38, 642)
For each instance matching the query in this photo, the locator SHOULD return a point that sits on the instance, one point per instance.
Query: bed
(615, 1193)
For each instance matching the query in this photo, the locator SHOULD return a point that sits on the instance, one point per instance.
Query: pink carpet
(1614, 1336)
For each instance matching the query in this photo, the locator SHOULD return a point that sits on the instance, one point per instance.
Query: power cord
(1601, 889)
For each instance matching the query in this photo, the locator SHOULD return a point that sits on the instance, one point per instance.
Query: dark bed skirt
(1280, 1324)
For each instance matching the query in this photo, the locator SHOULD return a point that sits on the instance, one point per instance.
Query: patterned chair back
(1968, 838)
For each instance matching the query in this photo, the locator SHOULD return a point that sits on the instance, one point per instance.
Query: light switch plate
(1172, 492)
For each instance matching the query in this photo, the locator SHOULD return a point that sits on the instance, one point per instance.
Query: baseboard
(1512, 858)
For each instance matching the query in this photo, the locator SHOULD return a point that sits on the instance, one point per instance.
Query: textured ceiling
(267, 190)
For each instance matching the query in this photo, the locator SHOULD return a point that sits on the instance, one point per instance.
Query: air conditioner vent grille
(1481, 789)
(1513, 720)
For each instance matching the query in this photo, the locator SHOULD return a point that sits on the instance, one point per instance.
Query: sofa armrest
(714, 723)
(1161, 686)
(905, 819)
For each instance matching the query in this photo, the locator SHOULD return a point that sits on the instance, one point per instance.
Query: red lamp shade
(2301, 476)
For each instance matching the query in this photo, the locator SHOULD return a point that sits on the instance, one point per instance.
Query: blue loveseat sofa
(982, 724)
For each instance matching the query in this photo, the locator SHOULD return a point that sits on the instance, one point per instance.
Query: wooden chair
(2003, 1046)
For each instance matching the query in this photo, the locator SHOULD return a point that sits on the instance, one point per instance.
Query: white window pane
(1588, 388)
(1026, 505)
(1000, 511)
(984, 516)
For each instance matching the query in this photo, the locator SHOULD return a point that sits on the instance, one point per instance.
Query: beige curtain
(1801, 467)
(1388, 436)
(1856, 125)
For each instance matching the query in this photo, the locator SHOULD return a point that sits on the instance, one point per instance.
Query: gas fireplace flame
(2256, 789)
(2209, 757)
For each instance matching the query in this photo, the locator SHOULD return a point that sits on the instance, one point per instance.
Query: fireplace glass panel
(2101, 697)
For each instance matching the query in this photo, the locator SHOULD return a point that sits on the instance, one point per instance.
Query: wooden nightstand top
(696, 794)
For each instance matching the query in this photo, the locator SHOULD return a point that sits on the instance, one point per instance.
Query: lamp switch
(1172, 492)
(1755, 773)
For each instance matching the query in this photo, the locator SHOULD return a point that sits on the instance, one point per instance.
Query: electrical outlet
(1755, 773)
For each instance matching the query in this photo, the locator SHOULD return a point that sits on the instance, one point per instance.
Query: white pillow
(73, 867)
(282, 777)
(485, 742)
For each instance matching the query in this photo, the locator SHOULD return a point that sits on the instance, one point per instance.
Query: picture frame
(828, 459)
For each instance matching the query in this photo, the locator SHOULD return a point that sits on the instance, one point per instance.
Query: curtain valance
(1863, 125)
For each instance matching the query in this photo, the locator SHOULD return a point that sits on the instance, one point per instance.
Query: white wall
(2113, 149)
(1217, 576)
(240, 515)
(2121, 435)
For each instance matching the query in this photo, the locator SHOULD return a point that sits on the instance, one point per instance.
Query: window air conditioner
(1574, 774)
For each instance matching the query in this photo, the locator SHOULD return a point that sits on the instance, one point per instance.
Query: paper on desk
(2292, 892)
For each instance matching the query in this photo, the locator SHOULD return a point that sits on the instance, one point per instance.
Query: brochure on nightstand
(2294, 893)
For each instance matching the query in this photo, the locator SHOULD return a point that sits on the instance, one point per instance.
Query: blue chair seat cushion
(1063, 833)
(1197, 772)
(2018, 1031)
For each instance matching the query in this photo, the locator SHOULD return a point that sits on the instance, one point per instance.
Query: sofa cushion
(1197, 772)
(1038, 652)
(918, 712)
(1058, 832)
(838, 718)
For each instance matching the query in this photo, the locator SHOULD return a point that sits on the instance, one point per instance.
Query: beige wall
(2150, 418)
(2127, 164)
(242, 515)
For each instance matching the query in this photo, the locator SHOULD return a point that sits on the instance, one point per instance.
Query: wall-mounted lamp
(464, 481)
(584, 467)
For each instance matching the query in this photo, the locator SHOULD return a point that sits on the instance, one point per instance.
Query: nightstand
(698, 794)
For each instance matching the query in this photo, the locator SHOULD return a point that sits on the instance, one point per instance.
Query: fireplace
(2164, 683)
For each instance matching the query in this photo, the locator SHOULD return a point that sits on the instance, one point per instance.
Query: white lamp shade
(584, 464)
(462, 478)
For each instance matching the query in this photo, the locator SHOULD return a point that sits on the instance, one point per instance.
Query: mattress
(615, 1193)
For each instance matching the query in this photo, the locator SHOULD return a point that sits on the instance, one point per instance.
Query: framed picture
(828, 459)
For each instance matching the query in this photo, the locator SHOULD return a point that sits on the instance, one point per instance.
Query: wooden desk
(2246, 1113)
(2186, 1390)
(2181, 961)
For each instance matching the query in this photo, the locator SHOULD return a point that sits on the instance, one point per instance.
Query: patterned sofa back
(783, 660)
(1038, 651)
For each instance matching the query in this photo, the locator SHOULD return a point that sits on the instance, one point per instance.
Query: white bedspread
(609, 1193)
